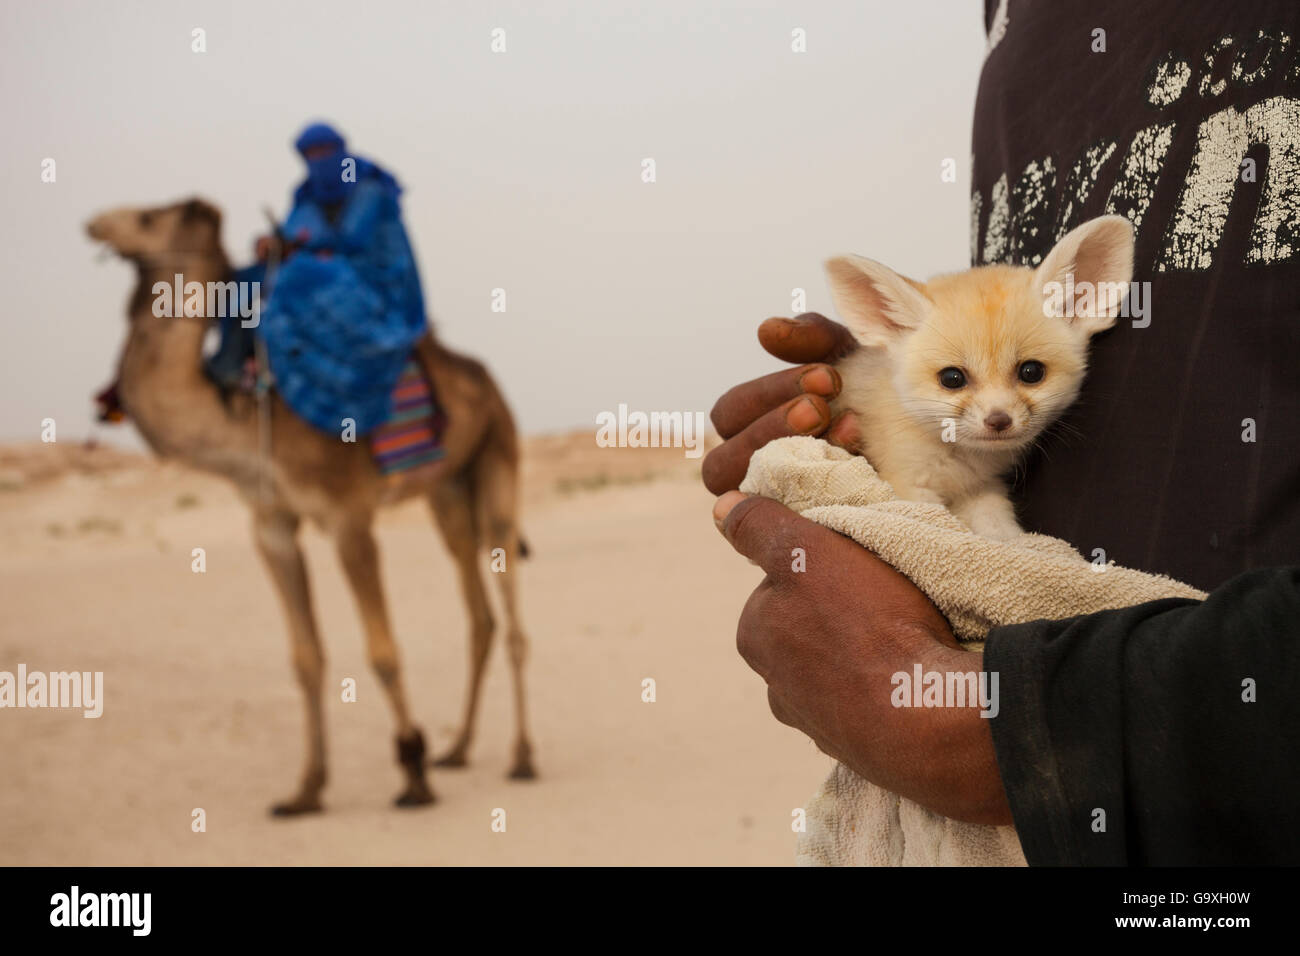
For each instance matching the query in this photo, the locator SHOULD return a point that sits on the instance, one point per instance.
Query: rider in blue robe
(346, 307)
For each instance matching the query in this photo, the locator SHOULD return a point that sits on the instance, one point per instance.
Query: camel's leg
(276, 534)
(453, 507)
(497, 486)
(360, 559)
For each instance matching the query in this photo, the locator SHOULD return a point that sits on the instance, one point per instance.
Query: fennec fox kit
(957, 376)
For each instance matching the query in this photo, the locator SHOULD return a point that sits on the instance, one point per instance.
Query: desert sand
(628, 580)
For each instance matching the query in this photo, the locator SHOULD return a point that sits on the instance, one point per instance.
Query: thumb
(806, 338)
(764, 530)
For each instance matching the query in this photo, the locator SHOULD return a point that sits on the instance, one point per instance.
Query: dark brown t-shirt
(1183, 453)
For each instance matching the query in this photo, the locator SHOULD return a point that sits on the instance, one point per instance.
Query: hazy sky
(522, 170)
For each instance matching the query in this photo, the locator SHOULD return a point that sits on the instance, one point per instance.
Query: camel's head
(155, 235)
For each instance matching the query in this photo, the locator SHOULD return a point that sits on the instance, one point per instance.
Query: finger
(846, 431)
(741, 406)
(806, 338)
(753, 641)
(724, 467)
(787, 715)
(779, 710)
(766, 531)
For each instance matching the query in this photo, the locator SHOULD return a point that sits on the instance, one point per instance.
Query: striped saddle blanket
(412, 434)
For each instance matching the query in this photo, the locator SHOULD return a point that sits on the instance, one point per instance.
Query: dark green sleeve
(1177, 720)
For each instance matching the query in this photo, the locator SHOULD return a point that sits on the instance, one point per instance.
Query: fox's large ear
(1099, 257)
(875, 302)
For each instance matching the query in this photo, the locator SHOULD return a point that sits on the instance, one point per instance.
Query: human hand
(790, 402)
(828, 639)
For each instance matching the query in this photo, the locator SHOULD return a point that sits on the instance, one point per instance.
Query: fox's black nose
(999, 421)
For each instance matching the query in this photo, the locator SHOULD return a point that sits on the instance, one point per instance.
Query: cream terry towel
(978, 584)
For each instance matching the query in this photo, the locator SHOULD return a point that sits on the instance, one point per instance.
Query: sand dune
(628, 580)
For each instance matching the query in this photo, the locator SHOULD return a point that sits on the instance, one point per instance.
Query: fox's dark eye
(951, 377)
(1032, 372)
(146, 218)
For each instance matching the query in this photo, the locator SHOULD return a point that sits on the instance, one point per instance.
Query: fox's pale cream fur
(953, 445)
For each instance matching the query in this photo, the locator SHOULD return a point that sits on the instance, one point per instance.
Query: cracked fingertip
(722, 507)
(846, 432)
(821, 380)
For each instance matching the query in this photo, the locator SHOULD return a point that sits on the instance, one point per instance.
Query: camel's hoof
(297, 807)
(420, 796)
(454, 759)
(523, 771)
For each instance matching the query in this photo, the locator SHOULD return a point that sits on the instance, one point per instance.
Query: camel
(308, 474)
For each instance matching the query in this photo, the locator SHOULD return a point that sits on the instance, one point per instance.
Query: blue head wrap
(324, 172)
(324, 182)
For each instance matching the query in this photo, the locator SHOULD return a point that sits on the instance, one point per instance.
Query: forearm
(963, 782)
(1162, 733)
